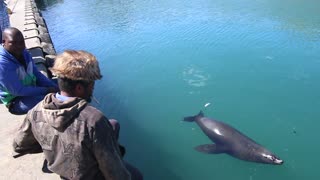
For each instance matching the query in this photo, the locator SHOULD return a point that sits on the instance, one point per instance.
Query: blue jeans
(21, 105)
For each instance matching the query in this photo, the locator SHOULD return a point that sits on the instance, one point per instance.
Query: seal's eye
(268, 156)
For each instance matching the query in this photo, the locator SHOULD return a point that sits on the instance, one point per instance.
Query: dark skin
(13, 42)
(84, 92)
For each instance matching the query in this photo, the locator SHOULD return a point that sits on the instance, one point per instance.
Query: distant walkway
(27, 167)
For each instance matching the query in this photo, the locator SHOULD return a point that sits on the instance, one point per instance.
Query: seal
(231, 141)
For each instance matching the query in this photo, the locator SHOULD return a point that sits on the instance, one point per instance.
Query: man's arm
(10, 81)
(25, 142)
(105, 149)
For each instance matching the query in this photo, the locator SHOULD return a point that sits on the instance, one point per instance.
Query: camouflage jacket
(77, 140)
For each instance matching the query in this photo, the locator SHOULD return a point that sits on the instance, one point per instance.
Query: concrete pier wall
(27, 18)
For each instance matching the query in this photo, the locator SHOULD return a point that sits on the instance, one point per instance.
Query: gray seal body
(231, 141)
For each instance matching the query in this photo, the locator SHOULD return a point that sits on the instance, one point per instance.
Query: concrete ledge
(29, 21)
(42, 29)
(45, 37)
(33, 43)
(29, 27)
(28, 17)
(40, 21)
(36, 52)
(48, 48)
(30, 34)
(41, 64)
(27, 167)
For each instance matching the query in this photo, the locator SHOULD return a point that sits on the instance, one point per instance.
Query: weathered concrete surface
(27, 167)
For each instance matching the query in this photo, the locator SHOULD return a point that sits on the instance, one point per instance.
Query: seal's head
(271, 159)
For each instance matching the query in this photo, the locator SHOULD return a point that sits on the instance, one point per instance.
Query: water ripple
(195, 77)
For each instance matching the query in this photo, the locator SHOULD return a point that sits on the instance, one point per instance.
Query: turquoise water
(256, 62)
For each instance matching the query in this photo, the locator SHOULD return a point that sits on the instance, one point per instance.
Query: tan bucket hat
(76, 65)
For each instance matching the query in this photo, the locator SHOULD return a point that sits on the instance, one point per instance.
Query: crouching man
(77, 140)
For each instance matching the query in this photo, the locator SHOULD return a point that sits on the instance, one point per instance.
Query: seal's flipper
(210, 149)
(193, 118)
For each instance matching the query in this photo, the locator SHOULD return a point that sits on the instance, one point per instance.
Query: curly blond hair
(76, 65)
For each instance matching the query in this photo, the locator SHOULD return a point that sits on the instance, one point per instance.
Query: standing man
(22, 86)
(78, 141)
